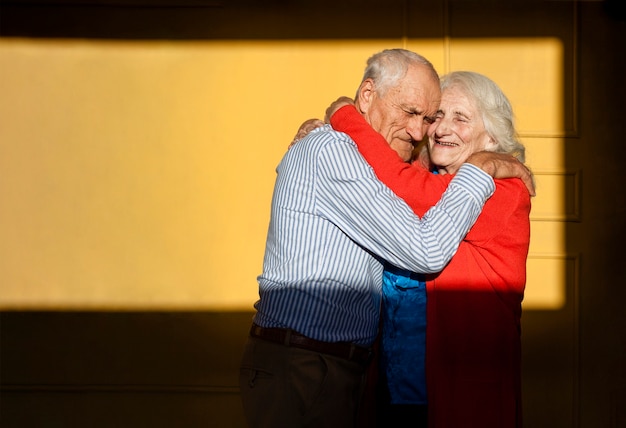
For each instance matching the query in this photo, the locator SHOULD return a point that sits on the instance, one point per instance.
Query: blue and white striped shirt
(332, 223)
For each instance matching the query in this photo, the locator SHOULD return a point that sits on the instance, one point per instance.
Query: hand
(305, 128)
(500, 165)
(336, 105)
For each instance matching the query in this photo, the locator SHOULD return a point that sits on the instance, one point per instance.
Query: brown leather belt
(347, 351)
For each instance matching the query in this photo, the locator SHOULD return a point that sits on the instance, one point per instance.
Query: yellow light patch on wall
(139, 174)
(545, 154)
(529, 71)
(546, 282)
(548, 276)
(559, 196)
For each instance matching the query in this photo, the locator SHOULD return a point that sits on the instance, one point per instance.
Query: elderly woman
(471, 310)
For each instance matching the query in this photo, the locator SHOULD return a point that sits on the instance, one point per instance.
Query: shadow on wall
(204, 19)
(121, 369)
(236, 19)
(158, 369)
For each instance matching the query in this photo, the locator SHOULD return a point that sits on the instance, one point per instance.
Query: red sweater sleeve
(422, 189)
(411, 182)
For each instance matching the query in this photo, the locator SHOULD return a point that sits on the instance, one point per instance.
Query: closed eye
(461, 117)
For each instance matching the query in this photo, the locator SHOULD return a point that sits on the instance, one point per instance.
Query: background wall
(139, 173)
(138, 141)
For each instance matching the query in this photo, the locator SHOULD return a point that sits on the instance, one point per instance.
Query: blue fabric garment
(403, 339)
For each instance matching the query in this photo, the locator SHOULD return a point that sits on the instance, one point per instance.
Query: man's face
(402, 115)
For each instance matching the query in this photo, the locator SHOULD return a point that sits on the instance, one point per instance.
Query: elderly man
(332, 224)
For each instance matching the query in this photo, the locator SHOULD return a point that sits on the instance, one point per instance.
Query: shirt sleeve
(412, 182)
(350, 195)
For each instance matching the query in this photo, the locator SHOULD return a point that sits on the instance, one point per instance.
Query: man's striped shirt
(333, 222)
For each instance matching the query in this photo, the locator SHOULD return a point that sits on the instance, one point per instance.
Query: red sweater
(473, 342)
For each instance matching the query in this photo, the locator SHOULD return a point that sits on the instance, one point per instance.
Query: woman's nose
(439, 128)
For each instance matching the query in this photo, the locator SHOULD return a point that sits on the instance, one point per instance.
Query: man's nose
(416, 130)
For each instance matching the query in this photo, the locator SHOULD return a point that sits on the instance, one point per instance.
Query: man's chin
(404, 150)
(405, 155)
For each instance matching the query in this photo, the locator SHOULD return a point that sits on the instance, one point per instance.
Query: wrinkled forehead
(420, 87)
(458, 95)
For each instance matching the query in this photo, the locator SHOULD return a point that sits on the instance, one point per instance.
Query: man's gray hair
(388, 67)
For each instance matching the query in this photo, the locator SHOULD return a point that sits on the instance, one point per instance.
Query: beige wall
(139, 174)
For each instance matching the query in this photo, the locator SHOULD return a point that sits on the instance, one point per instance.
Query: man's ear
(365, 96)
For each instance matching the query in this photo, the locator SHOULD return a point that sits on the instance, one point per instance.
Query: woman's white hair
(493, 105)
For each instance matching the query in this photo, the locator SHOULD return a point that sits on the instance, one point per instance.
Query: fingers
(336, 105)
(306, 127)
(311, 124)
(500, 165)
(529, 181)
(516, 169)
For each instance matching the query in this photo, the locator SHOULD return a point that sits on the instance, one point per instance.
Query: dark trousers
(289, 387)
(402, 415)
(397, 415)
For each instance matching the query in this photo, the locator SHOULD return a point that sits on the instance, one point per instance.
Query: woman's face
(457, 132)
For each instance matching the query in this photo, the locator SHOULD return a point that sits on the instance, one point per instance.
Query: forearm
(457, 211)
(371, 215)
